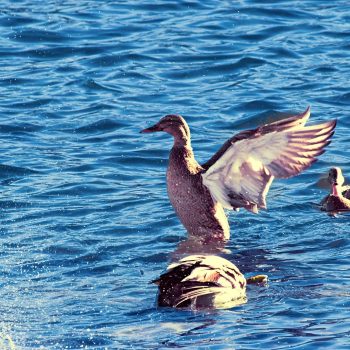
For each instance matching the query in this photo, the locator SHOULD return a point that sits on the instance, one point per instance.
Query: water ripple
(86, 222)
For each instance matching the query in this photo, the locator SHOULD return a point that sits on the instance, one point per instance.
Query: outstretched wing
(243, 172)
(295, 121)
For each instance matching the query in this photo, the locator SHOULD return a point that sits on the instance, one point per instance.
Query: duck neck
(183, 147)
(182, 142)
(336, 190)
(182, 157)
(182, 138)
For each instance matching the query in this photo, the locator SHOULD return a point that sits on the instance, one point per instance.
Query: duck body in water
(240, 173)
(200, 281)
(339, 198)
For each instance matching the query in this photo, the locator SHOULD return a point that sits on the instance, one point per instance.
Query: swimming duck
(240, 173)
(339, 198)
(199, 281)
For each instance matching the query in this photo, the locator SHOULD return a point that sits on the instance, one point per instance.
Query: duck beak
(153, 128)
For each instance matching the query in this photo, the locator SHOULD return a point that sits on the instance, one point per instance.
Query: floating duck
(240, 173)
(339, 198)
(199, 281)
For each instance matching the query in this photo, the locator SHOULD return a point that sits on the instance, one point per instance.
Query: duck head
(336, 180)
(174, 125)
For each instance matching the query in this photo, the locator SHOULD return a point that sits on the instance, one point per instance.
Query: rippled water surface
(85, 218)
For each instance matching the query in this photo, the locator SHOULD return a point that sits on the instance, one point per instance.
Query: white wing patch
(211, 268)
(241, 177)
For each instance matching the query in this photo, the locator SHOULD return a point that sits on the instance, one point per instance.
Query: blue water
(85, 218)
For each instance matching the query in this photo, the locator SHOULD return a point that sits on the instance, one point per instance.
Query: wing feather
(242, 174)
(296, 121)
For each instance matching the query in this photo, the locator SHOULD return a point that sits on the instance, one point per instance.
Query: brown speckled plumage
(185, 186)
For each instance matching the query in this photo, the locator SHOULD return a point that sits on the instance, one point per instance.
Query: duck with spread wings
(240, 173)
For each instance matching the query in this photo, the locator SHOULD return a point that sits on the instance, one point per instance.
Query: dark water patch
(325, 69)
(302, 85)
(284, 52)
(63, 261)
(252, 37)
(227, 68)
(31, 104)
(275, 13)
(75, 340)
(36, 35)
(62, 250)
(115, 60)
(265, 33)
(92, 271)
(345, 98)
(258, 105)
(72, 227)
(20, 128)
(14, 204)
(268, 116)
(10, 20)
(334, 100)
(49, 115)
(205, 57)
(104, 125)
(136, 161)
(154, 258)
(152, 97)
(92, 140)
(338, 243)
(84, 111)
(93, 85)
(161, 7)
(81, 190)
(123, 74)
(84, 168)
(65, 210)
(346, 46)
(336, 34)
(68, 69)
(89, 258)
(16, 81)
(124, 31)
(61, 52)
(9, 171)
